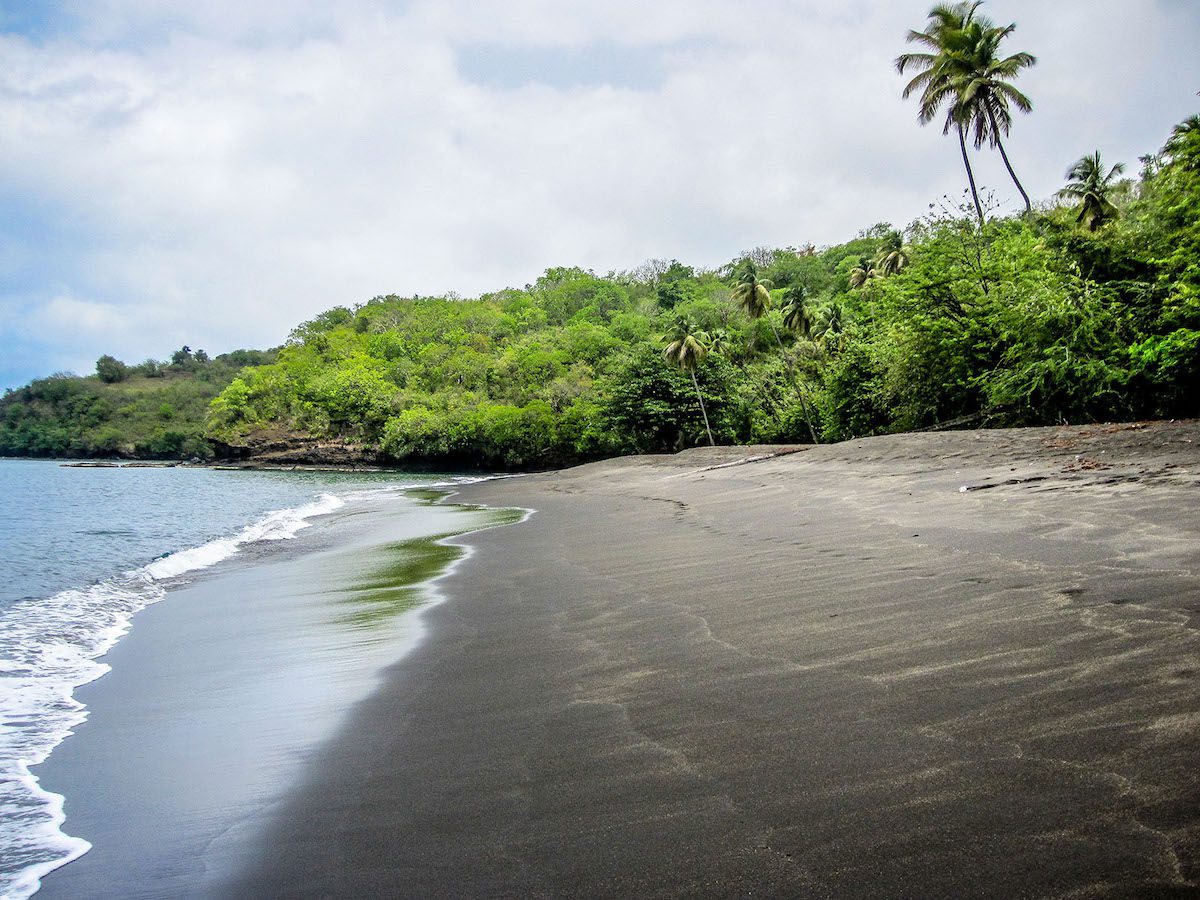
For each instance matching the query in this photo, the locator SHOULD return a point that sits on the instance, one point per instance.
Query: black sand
(832, 673)
(221, 693)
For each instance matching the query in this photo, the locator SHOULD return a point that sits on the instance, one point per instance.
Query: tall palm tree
(754, 296)
(981, 78)
(892, 257)
(831, 321)
(686, 348)
(863, 272)
(937, 81)
(1091, 186)
(797, 315)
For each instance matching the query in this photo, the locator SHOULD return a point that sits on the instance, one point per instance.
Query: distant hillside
(1082, 310)
(154, 410)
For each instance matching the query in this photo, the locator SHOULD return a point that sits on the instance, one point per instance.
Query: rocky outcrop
(283, 448)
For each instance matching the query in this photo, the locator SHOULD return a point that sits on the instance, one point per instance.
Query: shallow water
(84, 550)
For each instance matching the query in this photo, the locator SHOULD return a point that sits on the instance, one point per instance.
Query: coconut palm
(1091, 186)
(686, 348)
(1185, 133)
(938, 81)
(753, 294)
(891, 262)
(982, 77)
(863, 272)
(718, 342)
(892, 257)
(797, 315)
(830, 321)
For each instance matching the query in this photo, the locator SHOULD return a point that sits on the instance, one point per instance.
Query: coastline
(956, 664)
(214, 698)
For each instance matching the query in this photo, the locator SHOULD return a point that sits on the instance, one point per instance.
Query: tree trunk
(962, 144)
(703, 411)
(799, 393)
(1007, 164)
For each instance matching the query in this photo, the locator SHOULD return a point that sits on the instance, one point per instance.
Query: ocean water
(82, 550)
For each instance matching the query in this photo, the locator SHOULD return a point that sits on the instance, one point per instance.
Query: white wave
(274, 526)
(50, 647)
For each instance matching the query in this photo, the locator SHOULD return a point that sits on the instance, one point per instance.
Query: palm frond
(1006, 93)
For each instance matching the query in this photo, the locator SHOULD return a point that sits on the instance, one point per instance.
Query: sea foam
(51, 646)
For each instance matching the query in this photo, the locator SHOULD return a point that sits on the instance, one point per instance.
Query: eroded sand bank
(830, 673)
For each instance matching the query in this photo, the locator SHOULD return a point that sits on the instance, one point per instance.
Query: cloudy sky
(213, 173)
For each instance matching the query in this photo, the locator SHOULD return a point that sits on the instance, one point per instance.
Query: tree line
(1079, 310)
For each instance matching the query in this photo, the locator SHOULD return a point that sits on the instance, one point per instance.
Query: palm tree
(937, 81)
(686, 348)
(892, 257)
(831, 321)
(1182, 134)
(718, 342)
(755, 298)
(1091, 187)
(981, 77)
(753, 295)
(797, 315)
(863, 272)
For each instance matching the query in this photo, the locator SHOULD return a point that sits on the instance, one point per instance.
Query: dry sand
(829, 673)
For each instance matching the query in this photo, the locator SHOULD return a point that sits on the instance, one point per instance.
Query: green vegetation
(154, 410)
(686, 348)
(1084, 311)
(1089, 184)
(1031, 319)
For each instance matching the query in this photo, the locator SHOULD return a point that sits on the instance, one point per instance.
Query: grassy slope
(151, 418)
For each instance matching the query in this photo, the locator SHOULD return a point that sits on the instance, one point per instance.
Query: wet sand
(222, 693)
(830, 673)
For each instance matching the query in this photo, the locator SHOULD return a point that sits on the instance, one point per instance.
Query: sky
(214, 173)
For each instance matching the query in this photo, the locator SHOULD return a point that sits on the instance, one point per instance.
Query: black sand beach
(942, 665)
(221, 694)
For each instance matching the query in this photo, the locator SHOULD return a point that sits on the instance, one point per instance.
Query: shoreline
(266, 463)
(186, 659)
(809, 674)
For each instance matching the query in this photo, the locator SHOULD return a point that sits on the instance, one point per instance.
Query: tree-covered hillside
(1033, 319)
(154, 410)
(1086, 310)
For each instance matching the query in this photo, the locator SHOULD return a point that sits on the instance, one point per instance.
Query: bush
(111, 370)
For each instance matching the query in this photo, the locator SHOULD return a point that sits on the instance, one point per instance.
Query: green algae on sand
(399, 582)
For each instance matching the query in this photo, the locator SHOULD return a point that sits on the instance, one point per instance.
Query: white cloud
(238, 167)
(70, 313)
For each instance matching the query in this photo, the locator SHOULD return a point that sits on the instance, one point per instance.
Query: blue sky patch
(35, 19)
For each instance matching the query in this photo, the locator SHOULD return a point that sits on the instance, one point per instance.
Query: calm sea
(81, 551)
